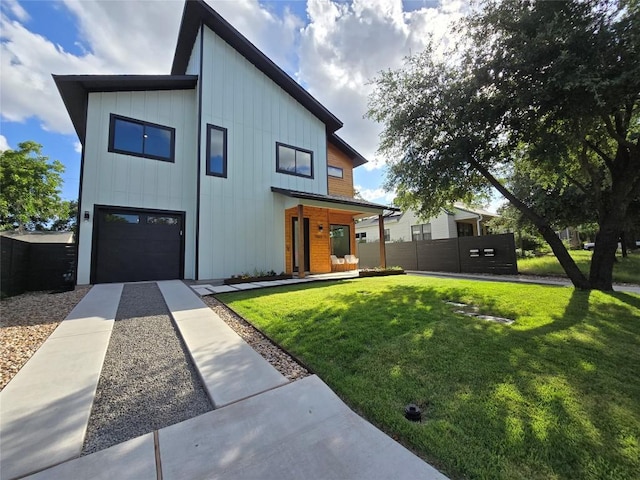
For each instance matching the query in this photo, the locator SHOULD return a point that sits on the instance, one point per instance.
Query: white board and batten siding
(128, 181)
(241, 220)
(442, 226)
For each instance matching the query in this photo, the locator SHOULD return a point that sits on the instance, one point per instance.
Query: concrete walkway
(204, 288)
(263, 426)
(561, 282)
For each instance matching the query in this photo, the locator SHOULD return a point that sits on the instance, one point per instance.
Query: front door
(294, 235)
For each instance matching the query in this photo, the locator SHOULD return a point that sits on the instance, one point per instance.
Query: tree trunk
(604, 253)
(578, 279)
(576, 276)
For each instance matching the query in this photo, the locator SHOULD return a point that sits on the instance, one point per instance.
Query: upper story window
(294, 161)
(421, 232)
(216, 151)
(141, 139)
(335, 171)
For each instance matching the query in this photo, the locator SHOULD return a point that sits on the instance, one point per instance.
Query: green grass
(626, 270)
(555, 395)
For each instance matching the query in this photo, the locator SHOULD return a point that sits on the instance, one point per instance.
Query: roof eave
(74, 90)
(348, 150)
(197, 12)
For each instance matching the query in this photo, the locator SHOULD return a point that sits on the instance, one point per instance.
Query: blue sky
(332, 48)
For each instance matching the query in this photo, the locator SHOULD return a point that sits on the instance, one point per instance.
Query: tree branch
(614, 134)
(578, 184)
(607, 159)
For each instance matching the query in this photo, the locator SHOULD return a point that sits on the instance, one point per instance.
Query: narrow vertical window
(216, 151)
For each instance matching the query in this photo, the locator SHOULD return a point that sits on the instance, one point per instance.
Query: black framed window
(421, 232)
(465, 229)
(216, 151)
(387, 235)
(335, 171)
(293, 160)
(141, 139)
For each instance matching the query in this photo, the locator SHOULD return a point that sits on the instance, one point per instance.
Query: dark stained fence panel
(35, 266)
(402, 254)
(502, 262)
(368, 254)
(14, 267)
(447, 255)
(48, 265)
(438, 255)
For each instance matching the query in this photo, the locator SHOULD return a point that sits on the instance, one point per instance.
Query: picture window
(141, 139)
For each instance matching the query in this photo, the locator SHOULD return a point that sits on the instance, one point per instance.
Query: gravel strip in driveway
(26, 321)
(147, 381)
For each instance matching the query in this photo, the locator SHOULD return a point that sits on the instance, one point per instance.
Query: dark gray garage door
(137, 245)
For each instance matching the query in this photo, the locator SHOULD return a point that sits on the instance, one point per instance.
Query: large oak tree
(549, 88)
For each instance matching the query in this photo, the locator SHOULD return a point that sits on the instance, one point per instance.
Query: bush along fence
(485, 254)
(35, 266)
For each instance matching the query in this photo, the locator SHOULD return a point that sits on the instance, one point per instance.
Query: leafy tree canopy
(545, 91)
(30, 194)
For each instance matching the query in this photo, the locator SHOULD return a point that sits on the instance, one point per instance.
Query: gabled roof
(74, 90)
(347, 149)
(197, 12)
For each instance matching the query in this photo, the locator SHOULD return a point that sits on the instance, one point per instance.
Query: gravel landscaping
(26, 321)
(277, 357)
(147, 381)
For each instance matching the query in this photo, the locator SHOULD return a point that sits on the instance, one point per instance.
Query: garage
(133, 245)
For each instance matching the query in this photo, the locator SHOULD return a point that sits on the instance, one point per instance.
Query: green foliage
(539, 100)
(554, 395)
(30, 195)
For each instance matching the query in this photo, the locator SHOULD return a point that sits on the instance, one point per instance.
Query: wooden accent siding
(340, 186)
(319, 242)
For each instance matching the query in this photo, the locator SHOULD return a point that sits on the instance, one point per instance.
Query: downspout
(480, 218)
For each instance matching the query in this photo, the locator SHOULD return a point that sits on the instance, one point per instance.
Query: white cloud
(4, 145)
(376, 195)
(347, 45)
(343, 46)
(12, 7)
(77, 146)
(117, 37)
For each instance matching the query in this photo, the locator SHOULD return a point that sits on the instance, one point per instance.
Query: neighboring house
(462, 221)
(39, 236)
(204, 173)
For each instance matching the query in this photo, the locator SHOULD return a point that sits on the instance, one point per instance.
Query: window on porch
(340, 240)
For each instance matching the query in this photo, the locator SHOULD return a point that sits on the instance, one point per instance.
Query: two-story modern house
(226, 165)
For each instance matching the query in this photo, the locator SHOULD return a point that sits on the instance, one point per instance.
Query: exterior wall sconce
(320, 227)
(86, 215)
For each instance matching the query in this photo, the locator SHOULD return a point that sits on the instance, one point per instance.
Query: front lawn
(626, 270)
(554, 395)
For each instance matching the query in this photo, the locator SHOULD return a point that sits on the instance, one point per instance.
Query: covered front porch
(327, 229)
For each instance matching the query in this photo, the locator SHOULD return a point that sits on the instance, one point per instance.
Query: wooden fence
(35, 266)
(485, 254)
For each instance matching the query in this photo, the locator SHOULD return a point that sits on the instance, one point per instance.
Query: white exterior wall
(442, 226)
(127, 181)
(241, 220)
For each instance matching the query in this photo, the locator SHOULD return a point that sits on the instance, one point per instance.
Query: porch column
(383, 253)
(300, 241)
